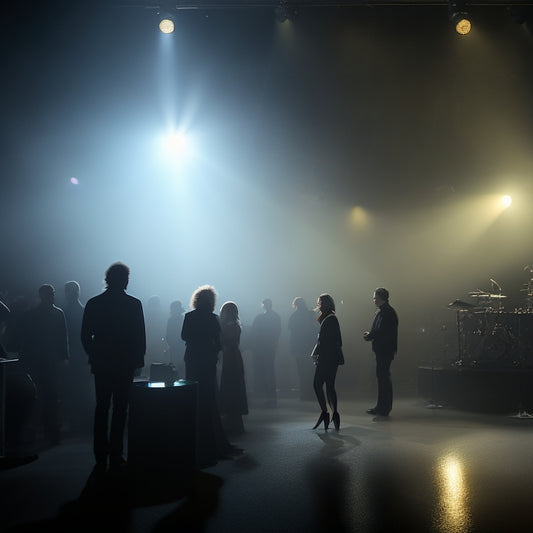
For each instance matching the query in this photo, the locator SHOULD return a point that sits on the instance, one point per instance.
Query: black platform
(485, 390)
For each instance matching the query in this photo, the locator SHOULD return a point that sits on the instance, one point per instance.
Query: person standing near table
(114, 337)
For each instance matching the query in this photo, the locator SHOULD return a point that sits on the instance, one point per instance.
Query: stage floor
(421, 470)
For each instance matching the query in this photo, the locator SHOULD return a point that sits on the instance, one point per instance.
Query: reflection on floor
(421, 470)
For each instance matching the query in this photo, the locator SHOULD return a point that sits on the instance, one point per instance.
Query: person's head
(229, 312)
(204, 298)
(267, 304)
(117, 276)
(299, 303)
(72, 291)
(381, 296)
(46, 294)
(176, 308)
(325, 303)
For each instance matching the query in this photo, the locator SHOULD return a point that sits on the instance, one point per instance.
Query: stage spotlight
(462, 23)
(283, 12)
(506, 200)
(166, 25)
(459, 17)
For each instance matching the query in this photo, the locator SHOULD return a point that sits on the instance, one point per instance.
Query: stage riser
(491, 391)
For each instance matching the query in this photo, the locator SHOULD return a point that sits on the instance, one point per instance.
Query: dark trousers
(383, 363)
(111, 386)
(325, 374)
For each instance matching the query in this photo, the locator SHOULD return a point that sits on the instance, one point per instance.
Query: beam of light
(453, 512)
(506, 201)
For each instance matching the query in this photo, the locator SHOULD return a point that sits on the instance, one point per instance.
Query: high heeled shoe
(324, 417)
(336, 420)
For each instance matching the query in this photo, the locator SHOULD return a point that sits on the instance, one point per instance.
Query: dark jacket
(329, 345)
(384, 332)
(113, 333)
(201, 333)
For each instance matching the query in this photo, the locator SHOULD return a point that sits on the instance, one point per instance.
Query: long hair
(229, 313)
(327, 306)
(203, 298)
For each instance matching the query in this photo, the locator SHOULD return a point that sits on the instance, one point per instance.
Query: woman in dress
(233, 400)
(328, 353)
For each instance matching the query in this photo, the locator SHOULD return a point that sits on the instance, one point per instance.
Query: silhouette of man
(303, 333)
(78, 377)
(266, 330)
(113, 335)
(43, 346)
(384, 337)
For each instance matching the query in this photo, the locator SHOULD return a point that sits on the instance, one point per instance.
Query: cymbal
(489, 296)
(459, 304)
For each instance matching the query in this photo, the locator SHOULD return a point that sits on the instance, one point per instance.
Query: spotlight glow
(463, 26)
(166, 26)
(506, 201)
(74, 181)
(175, 143)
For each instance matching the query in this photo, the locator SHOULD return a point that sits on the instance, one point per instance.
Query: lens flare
(506, 201)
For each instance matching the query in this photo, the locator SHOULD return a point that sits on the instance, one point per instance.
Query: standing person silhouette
(43, 345)
(384, 337)
(233, 400)
(202, 335)
(266, 330)
(328, 354)
(78, 384)
(303, 330)
(114, 337)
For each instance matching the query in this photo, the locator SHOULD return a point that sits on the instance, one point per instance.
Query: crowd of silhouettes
(77, 363)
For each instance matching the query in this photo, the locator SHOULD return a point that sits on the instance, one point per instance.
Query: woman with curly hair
(201, 332)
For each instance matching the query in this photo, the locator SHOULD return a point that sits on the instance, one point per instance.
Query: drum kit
(490, 337)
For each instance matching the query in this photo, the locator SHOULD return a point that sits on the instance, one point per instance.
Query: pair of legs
(325, 375)
(111, 386)
(383, 375)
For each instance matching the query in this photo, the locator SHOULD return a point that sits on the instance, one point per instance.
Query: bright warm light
(453, 511)
(506, 201)
(463, 27)
(166, 26)
(358, 217)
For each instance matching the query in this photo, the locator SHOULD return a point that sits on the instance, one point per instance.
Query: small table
(162, 429)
